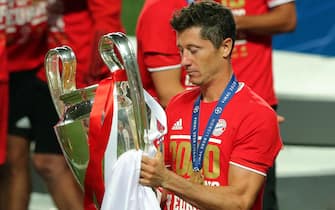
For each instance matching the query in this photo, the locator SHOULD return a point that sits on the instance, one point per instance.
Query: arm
(279, 19)
(167, 84)
(240, 193)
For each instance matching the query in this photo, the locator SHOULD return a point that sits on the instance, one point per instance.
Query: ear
(226, 47)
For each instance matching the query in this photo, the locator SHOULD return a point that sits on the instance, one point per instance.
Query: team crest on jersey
(220, 127)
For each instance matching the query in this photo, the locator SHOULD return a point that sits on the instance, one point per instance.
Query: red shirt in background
(252, 55)
(156, 41)
(3, 83)
(80, 25)
(3, 70)
(26, 34)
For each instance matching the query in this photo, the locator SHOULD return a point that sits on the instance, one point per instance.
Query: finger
(145, 168)
(144, 182)
(145, 159)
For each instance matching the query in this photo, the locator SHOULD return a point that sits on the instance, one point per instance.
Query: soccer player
(222, 137)
(32, 114)
(256, 20)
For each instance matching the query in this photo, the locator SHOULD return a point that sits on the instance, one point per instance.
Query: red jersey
(3, 83)
(3, 12)
(238, 138)
(156, 41)
(26, 34)
(252, 55)
(80, 25)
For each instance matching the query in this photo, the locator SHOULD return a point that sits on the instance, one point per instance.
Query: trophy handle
(60, 85)
(126, 51)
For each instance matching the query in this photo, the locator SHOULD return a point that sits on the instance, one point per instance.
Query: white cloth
(123, 192)
(122, 188)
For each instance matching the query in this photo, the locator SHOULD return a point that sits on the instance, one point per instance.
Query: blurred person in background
(80, 25)
(32, 114)
(256, 21)
(3, 103)
(157, 54)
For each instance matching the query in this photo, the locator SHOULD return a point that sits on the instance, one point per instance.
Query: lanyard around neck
(198, 151)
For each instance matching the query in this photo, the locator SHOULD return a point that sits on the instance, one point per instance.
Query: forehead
(188, 36)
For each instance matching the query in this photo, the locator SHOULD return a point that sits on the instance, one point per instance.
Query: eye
(181, 51)
(193, 50)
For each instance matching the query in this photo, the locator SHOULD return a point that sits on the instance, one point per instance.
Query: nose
(185, 59)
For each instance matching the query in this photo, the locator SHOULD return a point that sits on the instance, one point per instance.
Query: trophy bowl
(72, 130)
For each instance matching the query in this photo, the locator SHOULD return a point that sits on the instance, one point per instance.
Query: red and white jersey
(252, 55)
(156, 41)
(26, 34)
(3, 12)
(238, 138)
(80, 25)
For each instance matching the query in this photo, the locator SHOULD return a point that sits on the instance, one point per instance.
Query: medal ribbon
(198, 151)
(99, 131)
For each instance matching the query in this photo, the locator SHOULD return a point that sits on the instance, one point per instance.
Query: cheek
(206, 63)
(202, 60)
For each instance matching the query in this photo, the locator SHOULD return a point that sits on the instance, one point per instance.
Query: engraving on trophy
(127, 137)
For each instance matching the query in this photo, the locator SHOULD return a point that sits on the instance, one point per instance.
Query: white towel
(123, 192)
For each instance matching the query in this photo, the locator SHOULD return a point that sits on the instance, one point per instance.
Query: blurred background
(304, 70)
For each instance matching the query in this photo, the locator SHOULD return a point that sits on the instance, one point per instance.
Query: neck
(212, 91)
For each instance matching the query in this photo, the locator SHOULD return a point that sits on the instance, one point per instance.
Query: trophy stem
(126, 51)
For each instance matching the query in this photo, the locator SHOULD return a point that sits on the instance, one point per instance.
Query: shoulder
(252, 105)
(184, 98)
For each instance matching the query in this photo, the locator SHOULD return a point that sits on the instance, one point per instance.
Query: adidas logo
(178, 125)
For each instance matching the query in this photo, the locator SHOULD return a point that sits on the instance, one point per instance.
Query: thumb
(159, 155)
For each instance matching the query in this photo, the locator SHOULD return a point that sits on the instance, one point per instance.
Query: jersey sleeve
(160, 62)
(258, 143)
(274, 3)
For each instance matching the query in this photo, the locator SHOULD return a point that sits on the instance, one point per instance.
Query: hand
(153, 171)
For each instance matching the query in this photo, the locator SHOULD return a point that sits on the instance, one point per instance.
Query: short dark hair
(216, 21)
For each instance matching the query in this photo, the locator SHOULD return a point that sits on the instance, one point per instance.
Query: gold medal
(197, 177)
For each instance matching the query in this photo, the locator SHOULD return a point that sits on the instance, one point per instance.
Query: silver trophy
(74, 105)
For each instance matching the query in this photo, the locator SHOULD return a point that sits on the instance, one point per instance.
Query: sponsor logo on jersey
(178, 125)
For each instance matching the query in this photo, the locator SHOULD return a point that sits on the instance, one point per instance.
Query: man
(227, 167)
(32, 114)
(256, 21)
